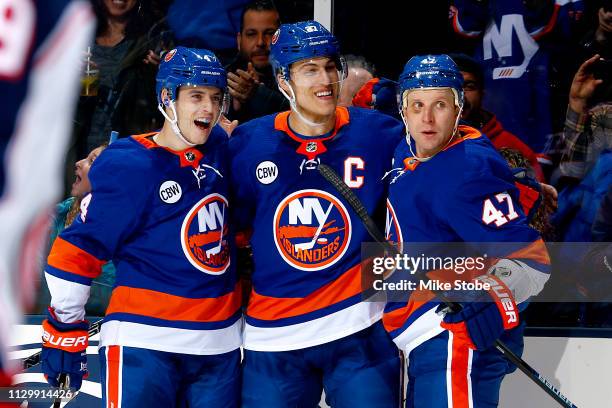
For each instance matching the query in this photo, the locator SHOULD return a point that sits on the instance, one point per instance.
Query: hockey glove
(482, 321)
(64, 350)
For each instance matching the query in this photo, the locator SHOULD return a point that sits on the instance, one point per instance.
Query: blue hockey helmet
(431, 71)
(303, 40)
(189, 66)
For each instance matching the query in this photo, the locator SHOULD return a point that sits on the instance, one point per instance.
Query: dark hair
(139, 18)
(359, 61)
(257, 5)
(468, 64)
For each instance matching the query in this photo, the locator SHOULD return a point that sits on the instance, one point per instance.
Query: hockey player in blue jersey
(450, 185)
(40, 50)
(308, 328)
(159, 210)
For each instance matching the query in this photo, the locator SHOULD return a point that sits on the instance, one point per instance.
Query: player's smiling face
(197, 108)
(430, 116)
(317, 86)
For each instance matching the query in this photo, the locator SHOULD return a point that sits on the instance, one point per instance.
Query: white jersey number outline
(491, 214)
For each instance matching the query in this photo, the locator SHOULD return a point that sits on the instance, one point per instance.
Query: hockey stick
(308, 245)
(217, 249)
(332, 177)
(63, 385)
(34, 359)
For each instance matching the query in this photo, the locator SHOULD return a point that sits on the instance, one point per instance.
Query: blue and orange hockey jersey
(465, 193)
(306, 241)
(41, 47)
(162, 218)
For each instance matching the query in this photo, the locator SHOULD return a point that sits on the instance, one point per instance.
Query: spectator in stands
(208, 24)
(599, 39)
(537, 202)
(127, 58)
(66, 213)
(475, 115)
(519, 39)
(586, 170)
(601, 230)
(250, 78)
(360, 71)
(588, 127)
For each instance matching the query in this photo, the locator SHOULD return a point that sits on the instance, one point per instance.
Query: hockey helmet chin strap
(174, 122)
(424, 159)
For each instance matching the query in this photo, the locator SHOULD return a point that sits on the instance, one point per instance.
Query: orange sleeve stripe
(536, 251)
(151, 303)
(272, 308)
(396, 318)
(70, 258)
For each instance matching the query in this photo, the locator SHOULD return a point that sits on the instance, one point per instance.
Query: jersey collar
(312, 146)
(189, 157)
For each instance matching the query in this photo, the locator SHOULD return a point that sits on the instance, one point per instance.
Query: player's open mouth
(202, 123)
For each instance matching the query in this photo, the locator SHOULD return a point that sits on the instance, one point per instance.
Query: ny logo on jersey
(204, 235)
(312, 229)
(501, 39)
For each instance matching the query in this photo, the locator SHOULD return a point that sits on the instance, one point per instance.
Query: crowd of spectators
(514, 97)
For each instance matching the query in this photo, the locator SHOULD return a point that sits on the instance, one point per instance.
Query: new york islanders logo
(393, 232)
(312, 229)
(204, 235)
